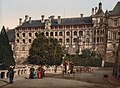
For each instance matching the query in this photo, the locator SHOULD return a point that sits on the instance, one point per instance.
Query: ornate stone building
(98, 32)
(73, 33)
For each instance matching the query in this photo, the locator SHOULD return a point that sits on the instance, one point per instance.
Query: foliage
(6, 54)
(88, 58)
(45, 51)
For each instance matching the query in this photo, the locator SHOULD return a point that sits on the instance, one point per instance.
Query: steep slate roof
(100, 12)
(64, 21)
(116, 10)
(76, 21)
(11, 35)
(34, 23)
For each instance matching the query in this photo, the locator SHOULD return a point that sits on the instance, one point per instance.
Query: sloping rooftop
(116, 10)
(64, 21)
(100, 12)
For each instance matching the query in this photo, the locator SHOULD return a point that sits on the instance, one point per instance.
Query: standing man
(11, 74)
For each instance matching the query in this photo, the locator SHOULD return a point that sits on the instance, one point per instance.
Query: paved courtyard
(54, 83)
(80, 80)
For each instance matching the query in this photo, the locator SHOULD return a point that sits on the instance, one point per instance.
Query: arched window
(67, 40)
(36, 34)
(88, 33)
(60, 40)
(97, 39)
(30, 35)
(75, 33)
(81, 33)
(42, 33)
(68, 33)
(94, 40)
(75, 40)
(23, 34)
(47, 34)
(51, 33)
(23, 40)
(60, 34)
(29, 40)
(56, 33)
(17, 40)
(17, 34)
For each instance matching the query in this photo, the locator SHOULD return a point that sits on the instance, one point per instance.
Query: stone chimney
(26, 18)
(29, 19)
(100, 5)
(95, 10)
(42, 20)
(59, 19)
(20, 21)
(81, 15)
(92, 11)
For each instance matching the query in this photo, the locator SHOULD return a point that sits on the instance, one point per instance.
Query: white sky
(12, 10)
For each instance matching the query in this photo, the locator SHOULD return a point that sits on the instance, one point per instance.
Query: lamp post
(116, 72)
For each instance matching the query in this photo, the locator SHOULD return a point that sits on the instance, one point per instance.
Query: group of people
(68, 67)
(37, 74)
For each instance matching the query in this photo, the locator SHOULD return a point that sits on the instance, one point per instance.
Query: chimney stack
(95, 10)
(92, 11)
(26, 18)
(81, 15)
(29, 19)
(20, 21)
(59, 19)
(100, 5)
(42, 16)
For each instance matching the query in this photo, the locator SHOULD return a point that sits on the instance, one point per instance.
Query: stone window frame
(75, 40)
(60, 40)
(75, 33)
(36, 34)
(23, 34)
(23, 40)
(30, 40)
(47, 33)
(56, 33)
(18, 35)
(17, 40)
(60, 33)
(68, 33)
(30, 34)
(67, 40)
(42, 33)
(80, 33)
(51, 33)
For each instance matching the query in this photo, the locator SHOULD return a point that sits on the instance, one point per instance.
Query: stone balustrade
(23, 70)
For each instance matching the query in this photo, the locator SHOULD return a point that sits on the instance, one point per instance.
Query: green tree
(6, 54)
(45, 51)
